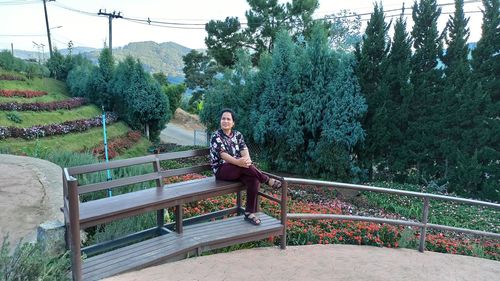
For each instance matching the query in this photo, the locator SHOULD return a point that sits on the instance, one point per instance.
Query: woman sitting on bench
(231, 161)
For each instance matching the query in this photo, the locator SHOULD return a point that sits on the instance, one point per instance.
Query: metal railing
(423, 224)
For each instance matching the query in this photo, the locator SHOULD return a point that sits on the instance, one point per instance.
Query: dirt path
(30, 194)
(181, 129)
(322, 262)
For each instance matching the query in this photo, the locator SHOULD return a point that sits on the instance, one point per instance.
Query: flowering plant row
(117, 145)
(306, 232)
(22, 93)
(44, 106)
(11, 77)
(56, 129)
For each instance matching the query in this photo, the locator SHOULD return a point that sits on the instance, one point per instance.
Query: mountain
(156, 57)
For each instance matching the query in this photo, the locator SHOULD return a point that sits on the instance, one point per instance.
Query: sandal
(276, 183)
(252, 218)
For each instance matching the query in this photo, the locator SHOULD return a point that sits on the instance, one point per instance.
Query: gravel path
(322, 262)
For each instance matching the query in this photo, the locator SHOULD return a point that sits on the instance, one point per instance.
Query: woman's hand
(244, 162)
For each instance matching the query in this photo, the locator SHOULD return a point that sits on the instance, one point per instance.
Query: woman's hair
(230, 111)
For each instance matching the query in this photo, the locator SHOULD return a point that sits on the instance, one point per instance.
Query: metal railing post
(423, 229)
(284, 190)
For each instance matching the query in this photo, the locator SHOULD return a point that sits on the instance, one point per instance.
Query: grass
(57, 90)
(70, 142)
(440, 212)
(139, 149)
(32, 118)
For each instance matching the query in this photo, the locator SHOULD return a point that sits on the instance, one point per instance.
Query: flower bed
(11, 77)
(22, 93)
(44, 106)
(56, 129)
(116, 145)
(306, 232)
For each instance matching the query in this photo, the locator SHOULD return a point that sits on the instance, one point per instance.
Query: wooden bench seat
(195, 239)
(160, 243)
(133, 203)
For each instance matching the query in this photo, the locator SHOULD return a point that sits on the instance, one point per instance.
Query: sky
(22, 22)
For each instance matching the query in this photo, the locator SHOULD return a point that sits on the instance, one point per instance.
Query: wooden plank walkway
(195, 238)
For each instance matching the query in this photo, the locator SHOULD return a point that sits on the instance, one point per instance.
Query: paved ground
(177, 134)
(322, 262)
(30, 194)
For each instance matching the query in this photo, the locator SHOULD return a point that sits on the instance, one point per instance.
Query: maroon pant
(250, 176)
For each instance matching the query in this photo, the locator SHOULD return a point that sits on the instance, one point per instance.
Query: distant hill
(156, 57)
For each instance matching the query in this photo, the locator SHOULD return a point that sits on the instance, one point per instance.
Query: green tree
(232, 90)
(265, 19)
(371, 56)
(310, 108)
(57, 65)
(457, 73)
(199, 70)
(161, 78)
(398, 92)
(100, 79)
(481, 138)
(174, 94)
(344, 30)
(426, 104)
(139, 99)
(223, 39)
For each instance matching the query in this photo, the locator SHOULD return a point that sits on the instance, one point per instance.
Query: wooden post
(238, 203)
(284, 190)
(160, 214)
(74, 229)
(178, 218)
(423, 229)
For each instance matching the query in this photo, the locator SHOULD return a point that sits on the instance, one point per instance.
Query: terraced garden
(38, 115)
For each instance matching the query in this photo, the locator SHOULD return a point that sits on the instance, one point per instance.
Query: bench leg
(160, 220)
(238, 203)
(178, 218)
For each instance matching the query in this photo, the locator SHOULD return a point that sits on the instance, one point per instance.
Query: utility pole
(111, 16)
(47, 24)
(12, 48)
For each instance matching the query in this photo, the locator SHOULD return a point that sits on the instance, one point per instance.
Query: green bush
(28, 262)
(14, 117)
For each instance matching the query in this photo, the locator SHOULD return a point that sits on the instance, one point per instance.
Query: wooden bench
(164, 242)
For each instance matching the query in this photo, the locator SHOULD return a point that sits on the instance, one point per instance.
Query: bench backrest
(154, 160)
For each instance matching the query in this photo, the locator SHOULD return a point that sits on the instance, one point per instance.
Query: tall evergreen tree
(310, 108)
(455, 95)
(425, 106)
(483, 138)
(398, 92)
(100, 80)
(371, 58)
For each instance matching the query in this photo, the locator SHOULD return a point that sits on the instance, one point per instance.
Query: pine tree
(480, 145)
(370, 69)
(426, 103)
(399, 91)
(310, 108)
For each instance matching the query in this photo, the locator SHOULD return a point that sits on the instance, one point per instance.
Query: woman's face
(226, 121)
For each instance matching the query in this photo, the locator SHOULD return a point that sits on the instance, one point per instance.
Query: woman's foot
(252, 218)
(274, 183)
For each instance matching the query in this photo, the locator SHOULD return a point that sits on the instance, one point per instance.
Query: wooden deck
(194, 240)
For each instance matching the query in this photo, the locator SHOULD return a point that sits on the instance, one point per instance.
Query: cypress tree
(455, 96)
(370, 69)
(399, 91)
(426, 103)
(481, 149)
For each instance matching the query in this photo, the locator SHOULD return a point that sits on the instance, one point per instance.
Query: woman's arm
(244, 161)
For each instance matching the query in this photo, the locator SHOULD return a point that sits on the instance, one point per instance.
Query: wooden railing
(423, 224)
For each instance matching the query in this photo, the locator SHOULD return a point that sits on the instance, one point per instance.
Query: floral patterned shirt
(220, 142)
